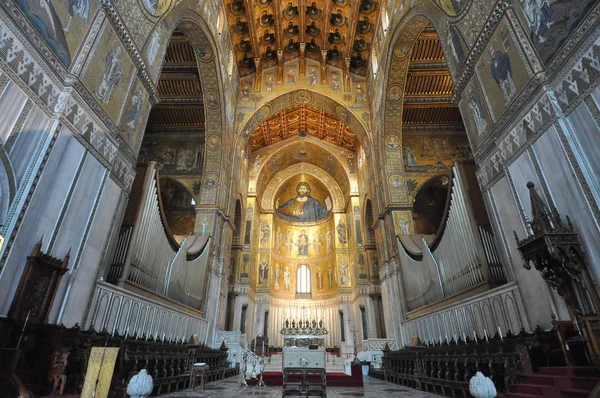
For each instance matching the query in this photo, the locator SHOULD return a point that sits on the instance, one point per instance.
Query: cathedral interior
(387, 183)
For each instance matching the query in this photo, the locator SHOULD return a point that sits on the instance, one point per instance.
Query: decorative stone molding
(268, 197)
(22, 65)
(570, 87)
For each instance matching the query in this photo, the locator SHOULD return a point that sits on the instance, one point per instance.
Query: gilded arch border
(208, 57)
(268, 197)
(398, 58)
(298, 97)
(256, 176)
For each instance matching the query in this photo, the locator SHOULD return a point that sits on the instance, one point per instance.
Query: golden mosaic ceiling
(181, 105)
(269, 32)
(303, 120)
(429, 86)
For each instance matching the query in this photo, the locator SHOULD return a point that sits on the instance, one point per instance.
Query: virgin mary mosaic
(302, 208)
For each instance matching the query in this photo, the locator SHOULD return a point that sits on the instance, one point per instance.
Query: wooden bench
(304, 382)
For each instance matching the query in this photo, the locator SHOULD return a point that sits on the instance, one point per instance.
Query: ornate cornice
(20, 62)
(574, 82)
(129, 44)
(480, 44)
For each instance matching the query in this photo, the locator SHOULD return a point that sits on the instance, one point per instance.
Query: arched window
(303, 279)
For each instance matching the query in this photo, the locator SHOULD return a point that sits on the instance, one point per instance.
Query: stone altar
(303, 358)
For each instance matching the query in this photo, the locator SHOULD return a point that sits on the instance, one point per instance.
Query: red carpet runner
(555, 382)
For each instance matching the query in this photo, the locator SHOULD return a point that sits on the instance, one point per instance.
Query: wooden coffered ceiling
(269, 32)
(181, 106)
(302, 120)
(429, 87)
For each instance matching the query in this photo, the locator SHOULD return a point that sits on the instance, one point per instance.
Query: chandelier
(305, 327)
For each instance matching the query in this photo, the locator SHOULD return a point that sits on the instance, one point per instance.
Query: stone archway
(314, 99)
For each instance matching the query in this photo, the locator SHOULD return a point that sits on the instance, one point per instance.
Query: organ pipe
(148, 256)
(462, 256)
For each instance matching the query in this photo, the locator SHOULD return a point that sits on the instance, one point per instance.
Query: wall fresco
(304, 151)
(551, 22)
(108, 73)
(62, 24)
(173, 156)
(479, 124)
(503, 73)
(134, 117)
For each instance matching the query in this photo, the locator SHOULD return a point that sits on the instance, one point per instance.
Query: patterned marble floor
(373, 388)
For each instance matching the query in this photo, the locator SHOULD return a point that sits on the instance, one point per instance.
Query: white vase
(140, 385)
(482, 387)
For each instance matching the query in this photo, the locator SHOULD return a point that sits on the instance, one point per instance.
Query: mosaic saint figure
(302, 208)
(344, 273)
(477, 112)
(112, 74)
(302, 243)
(328, 241)
(44, 13)
(290, 242)
(264, 232)
(80, 7)
(342, 232)
(392, 143)
(501, 71)
(264, 270)
(404, 227)
(276, 285)
(313, 76)
(330, 276)
(291, 76)
(537, 13)
(153, 46)
(410, 158)
(397, 183)
(136, 108)
(360, 95)
(320, 278)
(270, 83)
(287, 277)
(351, 163)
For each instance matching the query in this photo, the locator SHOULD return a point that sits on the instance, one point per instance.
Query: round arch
(404, 36)
(267, 201)
(305, 97)
(260, 174)
(208, 58)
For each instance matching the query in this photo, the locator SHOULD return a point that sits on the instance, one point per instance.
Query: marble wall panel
(567, 194)
(27, 141)
(536, 294)
(44, 211)
(91, 255)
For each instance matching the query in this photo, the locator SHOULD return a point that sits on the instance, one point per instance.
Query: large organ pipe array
(463, 255)
(148, 256)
